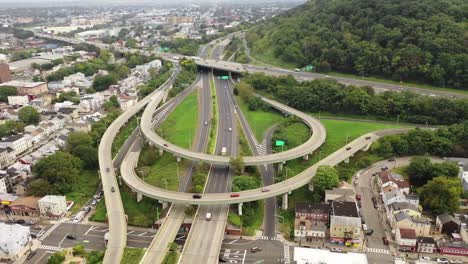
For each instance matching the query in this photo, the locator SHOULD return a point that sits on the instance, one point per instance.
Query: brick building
(5, 74)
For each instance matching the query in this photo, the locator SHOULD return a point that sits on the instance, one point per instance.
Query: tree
(78, 250)
(60, 170)
(101, 83)
(441, 195)
(88, 154)
(237, 164)
(39, 187)
(325, 178)
(242, 183)
(56, 258)
(112, 103)
(420, 171)
(6, 91)
(76, 139)
(29, 115)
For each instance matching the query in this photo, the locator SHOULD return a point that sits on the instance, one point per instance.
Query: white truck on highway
(224, 151)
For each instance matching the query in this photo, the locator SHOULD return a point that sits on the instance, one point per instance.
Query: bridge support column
(139, 197)
(285, 202)
(346, 160)
(280, 167)
(239, 208)
(366, 148)
(161, 152)
(179, 159)
(306, 157)
(164, 204)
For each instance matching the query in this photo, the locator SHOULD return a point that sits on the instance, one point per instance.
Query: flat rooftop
(323, 256)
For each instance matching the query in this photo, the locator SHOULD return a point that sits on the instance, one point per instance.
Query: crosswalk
(286, 254)
(235, 256)
(261, 148)
(267, 238)
(51, 229)
(50, 248)
(378, 250)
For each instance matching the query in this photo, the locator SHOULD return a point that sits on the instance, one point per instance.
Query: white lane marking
(87, 231)
(143, 233)
(234, 241)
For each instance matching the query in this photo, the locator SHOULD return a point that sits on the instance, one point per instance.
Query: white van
(208, 216)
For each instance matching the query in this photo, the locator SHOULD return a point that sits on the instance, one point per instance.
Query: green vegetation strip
(180, 126)
(142, 214)
(123, 134)
(214, 119)
(84, 189)
(132, 255)
(259, 120)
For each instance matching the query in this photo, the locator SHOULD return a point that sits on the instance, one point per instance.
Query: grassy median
(132, 255)
(214, 119)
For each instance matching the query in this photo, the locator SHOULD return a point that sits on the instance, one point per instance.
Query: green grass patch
(249, 230)
(132, 255)
(244, 148)
(234, 219)
(163, 173)
(268, 57)
(123, 135)
(83, 190)
(214, 119)
(259, 120)
(294, 134)
(402, 171)
(142, 214)
(180, 126)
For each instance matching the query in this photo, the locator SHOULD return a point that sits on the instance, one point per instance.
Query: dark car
(33, 235)
(348, 148)
(385, 240)
(20, 221)
(391, 159)
(165, 145)
(196, 196)
(107, 170)
(368, 138)
(112, 189)
(72, 237)
(369, 232)
(384, 168)
(223, 259)
(255, 249)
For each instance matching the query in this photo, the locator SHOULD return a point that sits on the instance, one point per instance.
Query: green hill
(422, 41)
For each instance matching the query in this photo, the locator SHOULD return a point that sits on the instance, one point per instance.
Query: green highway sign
(279, 143)
(309, 68)
(225, 77)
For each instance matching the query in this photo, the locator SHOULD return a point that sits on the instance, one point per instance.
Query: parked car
(369, 232)
(32, 235)
(196, 196)
(223, 259)
(424, 258)
(358, 197)
(20, 221)
(442, 260)
(38, 227)
(384, 168)
(335, 249)
(30, 223)
(385, 240)
(364, 227)
(72, 237)
(255, 249)
(93, 203)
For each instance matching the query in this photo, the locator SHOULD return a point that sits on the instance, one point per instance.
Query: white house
(52, 206)
(18, 143)
(7, 156)
(18, 100)
(406, 239)
(126, 101)
(14, 241)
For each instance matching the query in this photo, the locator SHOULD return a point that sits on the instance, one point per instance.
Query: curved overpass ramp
(115, 211)
(314, 142)
(301, 179)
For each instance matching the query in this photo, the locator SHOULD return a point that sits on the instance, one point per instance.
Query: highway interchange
(204, 241)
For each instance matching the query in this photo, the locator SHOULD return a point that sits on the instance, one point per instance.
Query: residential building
(345, 224)
(310, 222)
(18, 143)
(343, 194)
(421, 225)
(426, 245)
(4, 183)
(25, 208)
(18, 100)
(315, 256)
(14, 241)
(406, 207)
(406, 239)
(458, 248)
(28, 88)
(7, 156)
(5, 73)
(126, 101)
(53, 206)
(387, 179)
(447, 224)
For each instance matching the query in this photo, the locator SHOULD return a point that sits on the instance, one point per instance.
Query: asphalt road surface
(239, 251)
(205, 237)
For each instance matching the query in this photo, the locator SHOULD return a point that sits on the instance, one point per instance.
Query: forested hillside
(406, 40)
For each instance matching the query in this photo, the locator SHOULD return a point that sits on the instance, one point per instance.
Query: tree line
(406, 40)
(330, 96)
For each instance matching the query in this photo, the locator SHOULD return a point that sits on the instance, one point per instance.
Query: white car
(456, 261)
(358, 175)
(364, 227)
(442, 260)
(425, 259)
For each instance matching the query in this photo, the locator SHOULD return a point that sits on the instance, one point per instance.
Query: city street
(238, 251)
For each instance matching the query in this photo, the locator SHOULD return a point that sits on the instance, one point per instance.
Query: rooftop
(345, 209)
(387, 176)
(316, 256)
(312, 208)
(22, 84)
(407, 233)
